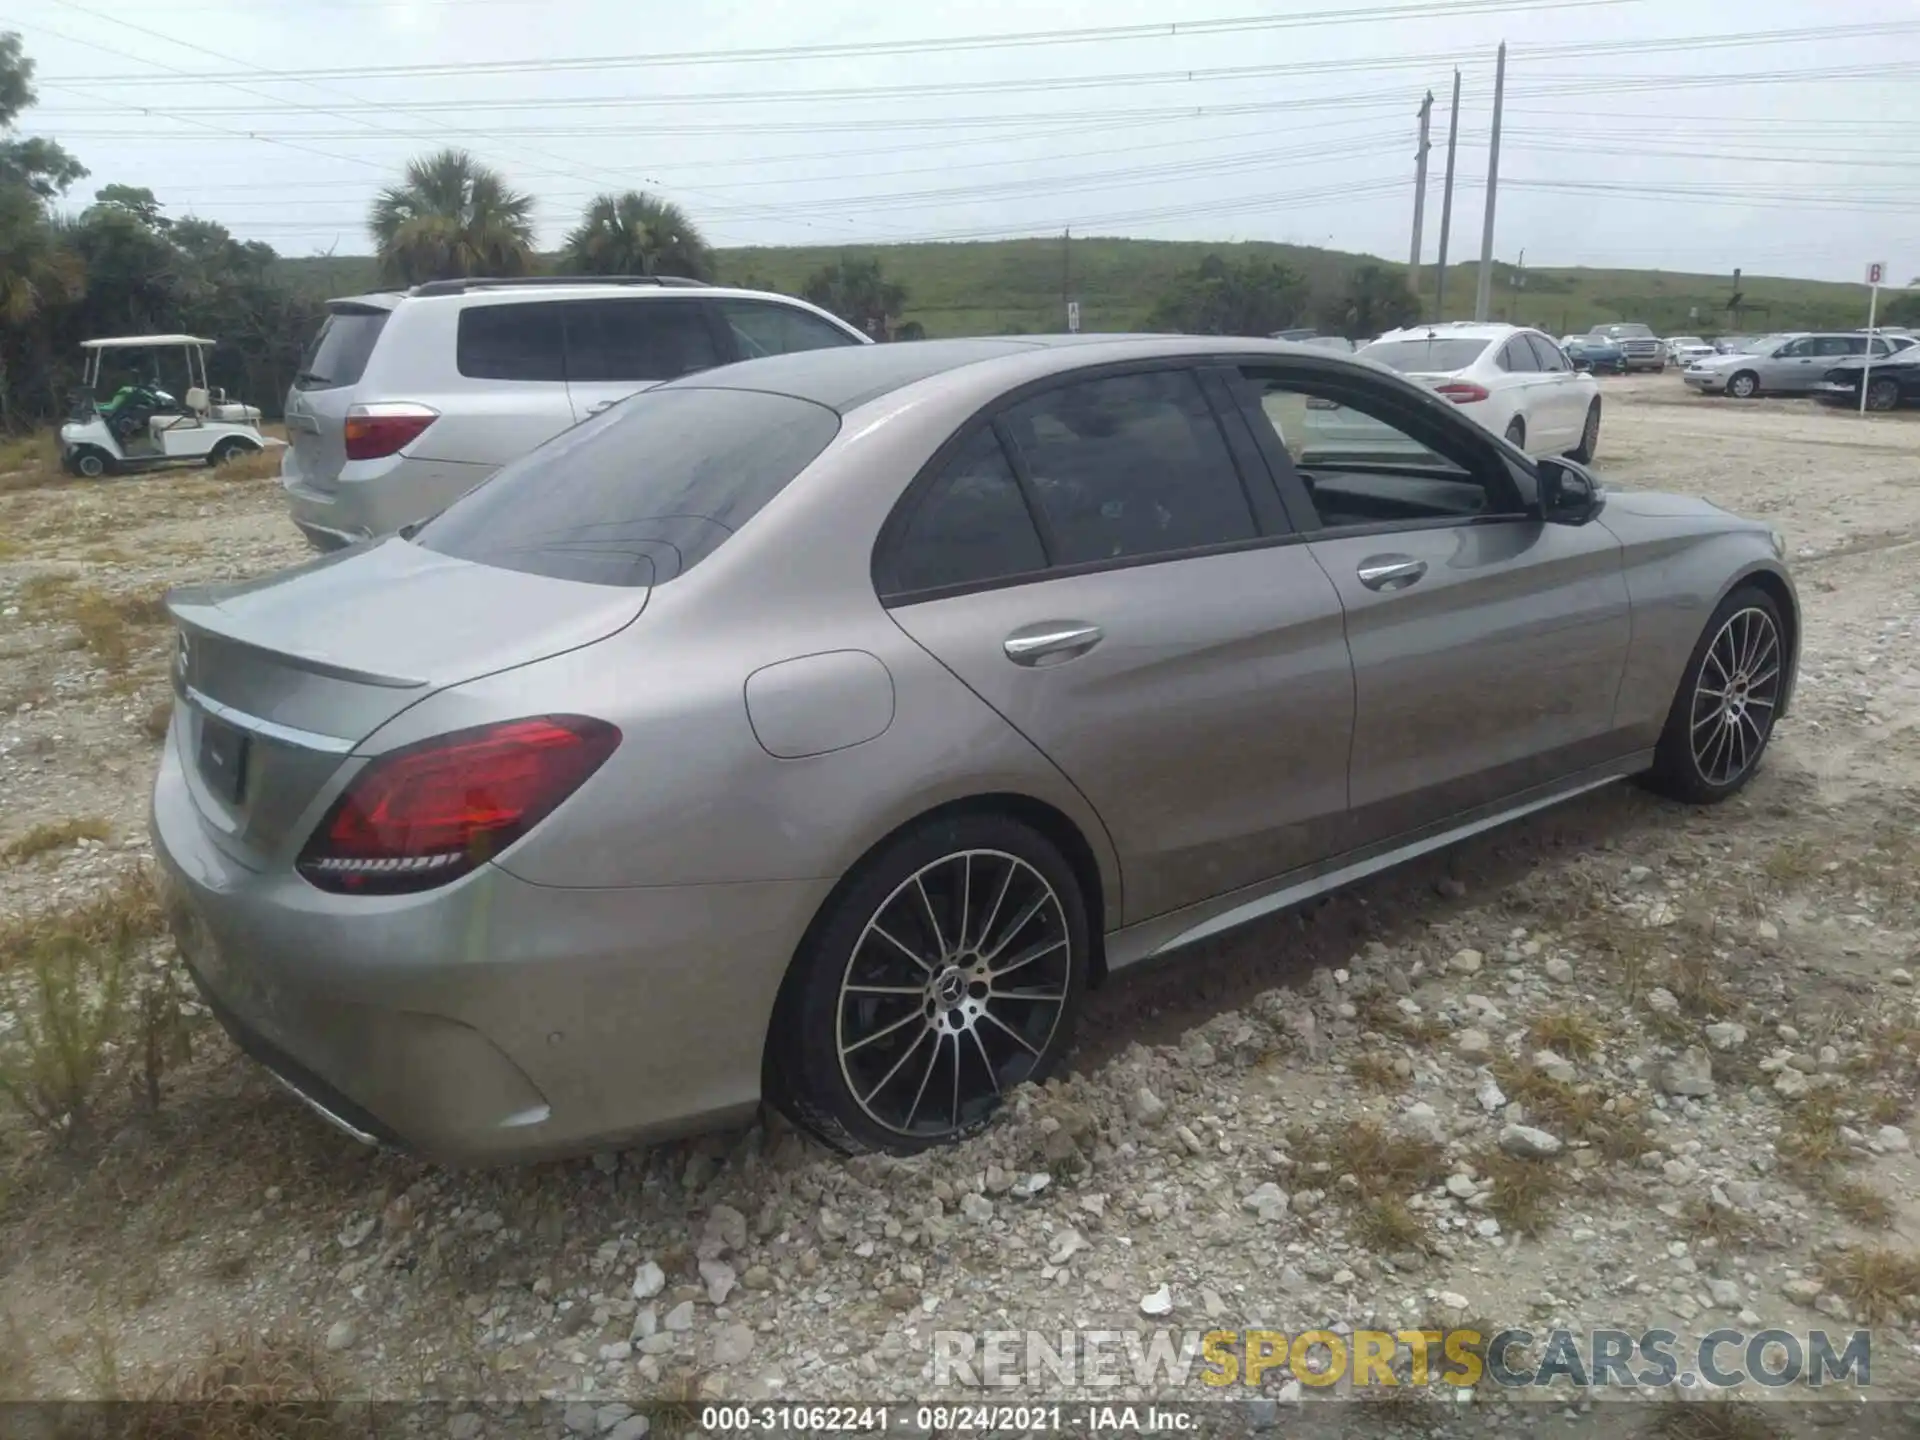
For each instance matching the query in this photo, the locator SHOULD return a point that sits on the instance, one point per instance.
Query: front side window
(1130, 465)
(969, 527)
(1794, 350)
(1366, 460)
(510, 342)
(640, 493)
(761, 327)
(637, 339)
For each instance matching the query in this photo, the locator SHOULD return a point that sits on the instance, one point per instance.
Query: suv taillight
(1462, 392)
(430, 812)
(382, 429)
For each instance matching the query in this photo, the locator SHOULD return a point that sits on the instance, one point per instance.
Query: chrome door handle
(1390, 572)
(1051, 640)
(602, 405)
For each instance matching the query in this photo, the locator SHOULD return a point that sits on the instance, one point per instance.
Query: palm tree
(637, 234)
(451, 217)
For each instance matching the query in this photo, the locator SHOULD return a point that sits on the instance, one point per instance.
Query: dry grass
(1810, 1143)
(29, 461)
(258, 465)
(1383, 1164)
(1379, 1011)
(262, 1387)
(1567, 1032)
(1876, 1282)
(1375, 1072)
(1712, 1420)
(1523, 1192)
(129, 908)
(1860, 1203)
(1695, 982)
(155, 722)
(1728, 1229)
(1611, 1124)
(54, 835)
(1385, 1226)
(109, 624)
(1795, 864)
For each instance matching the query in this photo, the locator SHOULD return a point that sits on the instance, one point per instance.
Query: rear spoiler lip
(196, 613)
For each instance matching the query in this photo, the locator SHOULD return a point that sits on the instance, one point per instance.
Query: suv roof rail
(510, 282)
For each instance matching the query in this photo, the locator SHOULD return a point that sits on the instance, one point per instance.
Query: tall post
(1420, 189)
(1066, 277)
(1484, 294)
(1446, 206)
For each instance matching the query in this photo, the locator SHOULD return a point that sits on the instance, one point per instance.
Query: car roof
(1456, 330)
(552, 288)
(843, 378)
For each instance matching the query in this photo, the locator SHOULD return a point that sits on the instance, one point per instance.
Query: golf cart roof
(134, 342)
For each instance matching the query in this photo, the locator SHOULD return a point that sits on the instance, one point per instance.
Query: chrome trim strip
(323, 1112)
(1306, 889)
(268, 729)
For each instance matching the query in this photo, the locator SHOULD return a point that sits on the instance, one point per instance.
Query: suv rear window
(641, 493)
(338, 355)
(1436, 355)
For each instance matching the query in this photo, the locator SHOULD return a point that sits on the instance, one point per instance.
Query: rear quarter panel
(1678, 568)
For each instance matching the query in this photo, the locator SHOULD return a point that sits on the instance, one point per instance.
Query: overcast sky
(1638, 133)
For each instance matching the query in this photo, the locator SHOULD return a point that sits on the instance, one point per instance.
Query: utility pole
(1484, 294)
(1446, 206)
(1420, 188)
(1066, 279)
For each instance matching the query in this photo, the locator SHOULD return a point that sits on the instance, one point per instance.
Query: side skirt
(1170, 932)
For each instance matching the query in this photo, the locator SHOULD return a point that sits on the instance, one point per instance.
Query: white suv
(1517, 382)
(407, 400)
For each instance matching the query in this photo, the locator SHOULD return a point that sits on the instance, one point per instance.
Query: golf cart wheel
(947, 970)
(90, 462)
(1744, 386)
(232, 448)
(1883, 395)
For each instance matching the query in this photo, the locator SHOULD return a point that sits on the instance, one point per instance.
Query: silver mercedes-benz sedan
(821, 727)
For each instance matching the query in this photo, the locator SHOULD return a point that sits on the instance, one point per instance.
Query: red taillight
(425, 814)
(376, 431)
(1462, 392)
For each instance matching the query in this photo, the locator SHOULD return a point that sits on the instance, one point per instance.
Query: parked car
(1595, 353)
(1790, 364)
(406, 401)
(1683, 350)
(1644, 350)
(900, 695)
(1891, 383)
(1514, 381)
(1734, 344)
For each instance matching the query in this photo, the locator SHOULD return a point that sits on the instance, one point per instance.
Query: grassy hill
(991, 287)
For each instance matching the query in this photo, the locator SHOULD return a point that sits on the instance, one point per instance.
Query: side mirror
(1569, 493)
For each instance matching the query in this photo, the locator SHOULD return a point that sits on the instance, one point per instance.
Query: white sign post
(1073, 317)
(1876, 272)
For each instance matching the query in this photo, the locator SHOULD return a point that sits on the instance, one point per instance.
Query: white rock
(1069, 1243)
(1900, 975)
(464, 1426)
(728, 1226)
(634, 1427)
(1486, 1228)
(1725, 1293)
(733, 1344)
(1472, 1044)
(1157, 1302)
(680, 1317)
(1466, 962)
(341, 1335)
(1422, 1122)
(1560, 970)
(1726, 1035)
(1892, 1137)
(1490, 1096)
(1554, 1066)
(1663, 1001)
(618, 1350)
(720, 1280)
(1767, 930)
(1146, 1108)
(976, 1208)
(1690, 1073)
(1525, 1140)
(353, 1235)
(1790, 1084)
(1452, 1300)
(648, 1281)
(1461, 1186)
(1268, 1201)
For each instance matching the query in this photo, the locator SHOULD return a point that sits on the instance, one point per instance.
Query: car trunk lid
(323, 389)
(283, 678)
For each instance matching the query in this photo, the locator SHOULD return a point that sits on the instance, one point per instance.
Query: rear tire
(231, 448)
(1589, 437)
(891, 1032)
(1722, 717)
(1883, 395)
(1517, 432)
(1744, 386)
(90, 462)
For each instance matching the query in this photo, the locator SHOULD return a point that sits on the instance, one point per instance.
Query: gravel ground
(1624, 1065)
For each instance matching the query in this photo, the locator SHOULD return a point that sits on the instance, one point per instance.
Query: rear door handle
(1050, 641)
(1390, 572)
(598, 406)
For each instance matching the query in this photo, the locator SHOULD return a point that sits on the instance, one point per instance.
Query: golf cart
(141, 425)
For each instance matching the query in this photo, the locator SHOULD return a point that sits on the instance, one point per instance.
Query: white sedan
(1516, 382)
(1683, 350)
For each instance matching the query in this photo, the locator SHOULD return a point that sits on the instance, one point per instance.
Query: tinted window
(637, 339)
(1131, 465)
(1547, 353)
(1841, 345)
(761, 328)
(971, 525)
(1517, 356)
(510, 342)
(1795, 350)
(1434, 356)
(639, 494)
(338, 354)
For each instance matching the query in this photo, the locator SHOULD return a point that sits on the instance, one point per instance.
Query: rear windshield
(639, 494)
(338, 354)
(1416, 356)
(1626, 332)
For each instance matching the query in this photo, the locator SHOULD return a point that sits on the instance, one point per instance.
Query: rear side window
(1128, 466)
(338, 355)
(1547, 353)
(637, 339)
(639, 494)
(762, 328)
(510, 342)
(970, 526)
(1517, 357)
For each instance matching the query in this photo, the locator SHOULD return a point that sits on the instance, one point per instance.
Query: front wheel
(1722, 717)
(1589, 437)
(1744, 386)
(1883, 395)
(90, 463)
(947, 972)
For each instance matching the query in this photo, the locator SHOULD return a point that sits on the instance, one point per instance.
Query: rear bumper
(491, 1019)
(375, 497)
